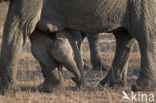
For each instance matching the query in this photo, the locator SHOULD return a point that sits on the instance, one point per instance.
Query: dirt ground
(29, 76)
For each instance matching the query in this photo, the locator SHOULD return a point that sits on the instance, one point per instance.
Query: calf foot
(78, 82)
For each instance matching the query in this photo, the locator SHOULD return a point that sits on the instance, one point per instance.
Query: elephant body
(97, 16)
(126, 19)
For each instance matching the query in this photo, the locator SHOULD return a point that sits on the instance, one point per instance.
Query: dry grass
(29, 77)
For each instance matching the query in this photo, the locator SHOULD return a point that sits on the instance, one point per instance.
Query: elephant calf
(54, 50)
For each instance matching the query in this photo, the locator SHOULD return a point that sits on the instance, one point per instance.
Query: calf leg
(78, 58)
(51, 74)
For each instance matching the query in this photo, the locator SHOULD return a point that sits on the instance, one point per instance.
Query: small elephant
(54, 51)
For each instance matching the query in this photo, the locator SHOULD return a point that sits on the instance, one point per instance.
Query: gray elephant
(54, 51)
(126, 19)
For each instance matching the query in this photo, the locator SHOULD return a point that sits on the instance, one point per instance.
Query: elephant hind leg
(118, 72)
(147, 77)
(144, 30)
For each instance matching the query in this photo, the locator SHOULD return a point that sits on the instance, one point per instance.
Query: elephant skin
(128, 20)
(55, 51)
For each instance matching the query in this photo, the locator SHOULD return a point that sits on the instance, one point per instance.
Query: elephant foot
(49, 86)
(6, 87)
(110, 82)
(79, 84)
(144, 84)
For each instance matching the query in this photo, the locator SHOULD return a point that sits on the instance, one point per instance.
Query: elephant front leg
(11, 49)
(118, 72)
(20, 22)
(78, 59)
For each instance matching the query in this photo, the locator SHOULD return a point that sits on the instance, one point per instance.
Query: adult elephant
(127, 19)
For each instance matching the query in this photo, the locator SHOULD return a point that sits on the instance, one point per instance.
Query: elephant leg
(77, 41)
(95, 53)
(77, 37)
(62, 52)
(78, 58)
(39, 48)
(118, 72)
(147, 78)
(53, 79)
(18, 25)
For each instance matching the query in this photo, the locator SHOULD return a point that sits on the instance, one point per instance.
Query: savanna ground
(29, 76)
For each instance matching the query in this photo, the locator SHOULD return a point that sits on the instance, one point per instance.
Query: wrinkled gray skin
(54, 51)
(127, 19)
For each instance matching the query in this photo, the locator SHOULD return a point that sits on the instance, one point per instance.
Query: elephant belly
(97, 16)
(50, 20)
